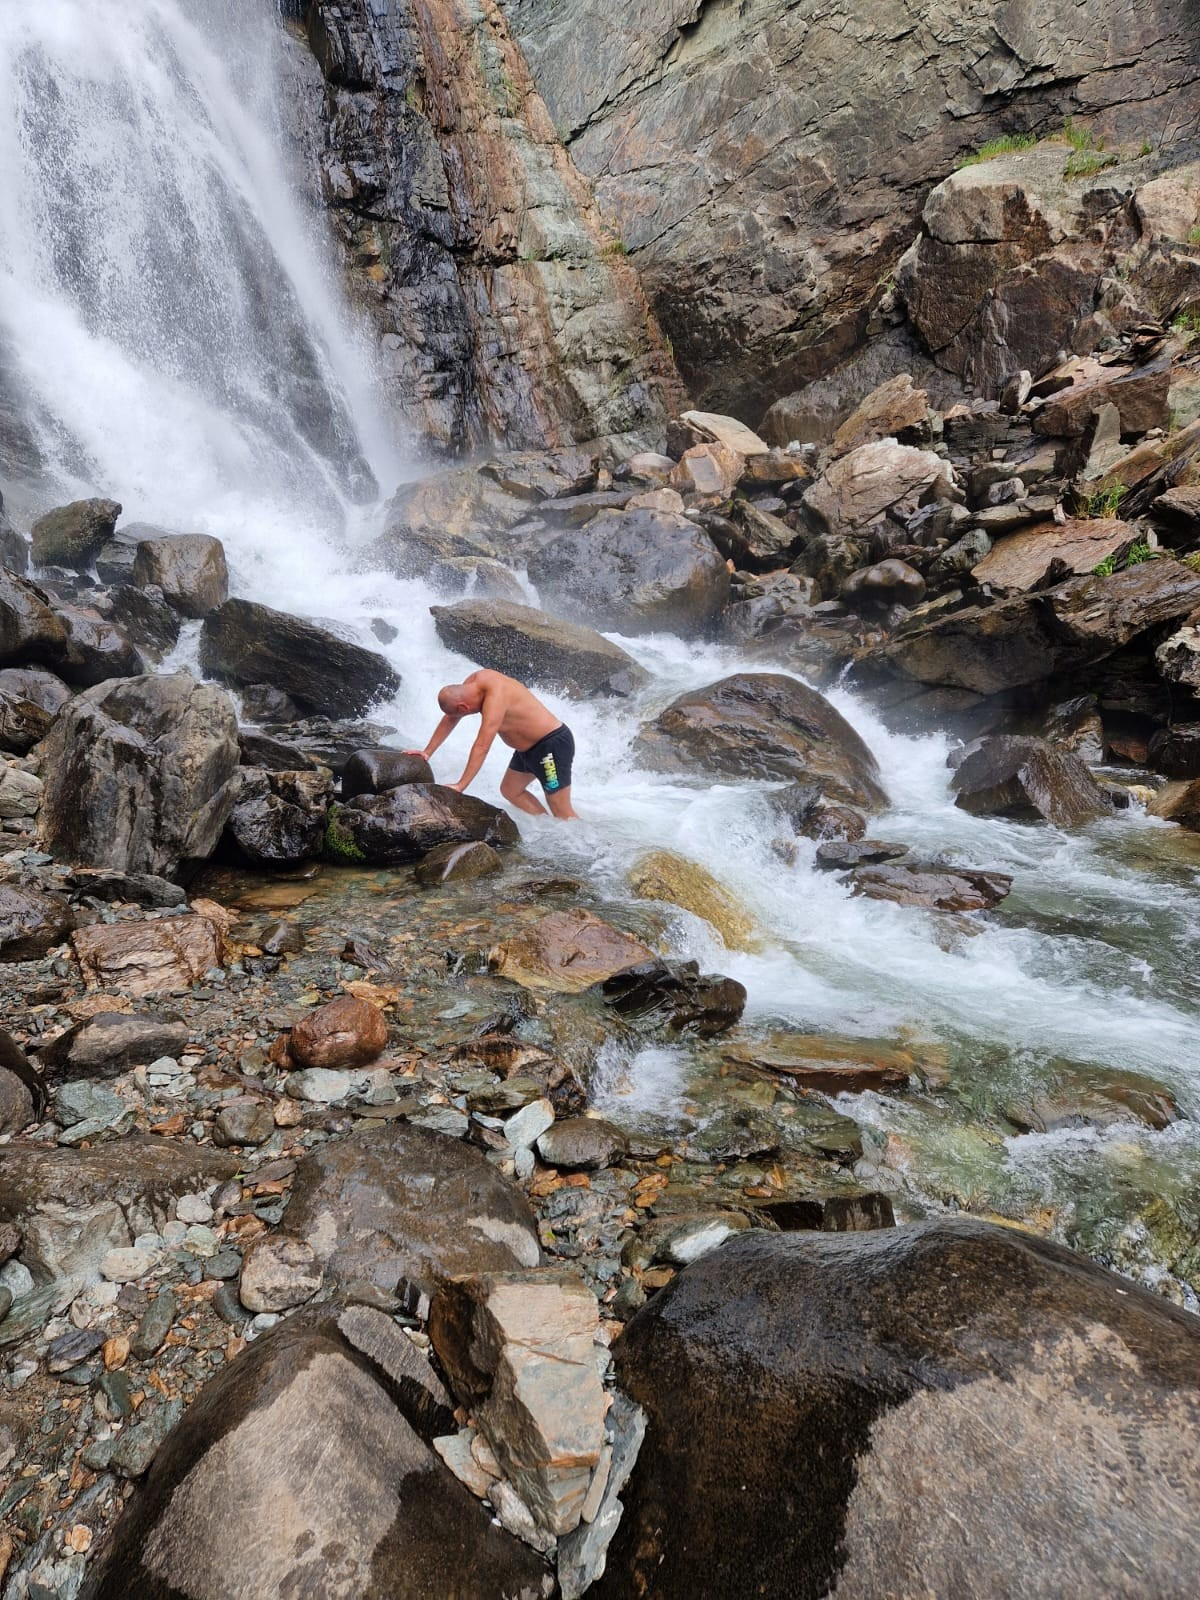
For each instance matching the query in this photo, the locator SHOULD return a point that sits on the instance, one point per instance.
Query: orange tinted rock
(345, 1033)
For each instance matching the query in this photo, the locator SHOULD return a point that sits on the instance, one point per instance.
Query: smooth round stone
(193, 1208)
(173, 1234)
(225, 1264)
(153, 1242)
(320, 1084)
(245, 1122)
(16, 1277)
(126, 1264)
(580, 1143)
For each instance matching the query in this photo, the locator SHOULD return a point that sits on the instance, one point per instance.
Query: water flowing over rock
(139, 774)
(233, 1506)
(663, 875)
(402, 825)
(936, 888)
(243, 642)
(830, 1373)
(566, 952)
(635, 572)
(537, 648)
(763, 725)
(404, 1202)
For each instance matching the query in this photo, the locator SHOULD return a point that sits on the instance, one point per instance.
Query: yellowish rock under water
(663, 875)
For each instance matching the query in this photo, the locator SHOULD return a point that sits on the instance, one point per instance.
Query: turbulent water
(169, 319)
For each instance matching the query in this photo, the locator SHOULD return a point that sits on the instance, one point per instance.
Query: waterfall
(172, 334)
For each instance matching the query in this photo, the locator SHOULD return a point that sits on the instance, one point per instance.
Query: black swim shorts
(549, 760)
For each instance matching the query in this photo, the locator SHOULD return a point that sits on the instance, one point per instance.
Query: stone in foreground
(305, 1469)
(566, 952)
(345, 1033)
(946, 1408)
(146, 957)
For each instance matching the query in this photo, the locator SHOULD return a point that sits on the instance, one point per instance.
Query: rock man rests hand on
(544, 747)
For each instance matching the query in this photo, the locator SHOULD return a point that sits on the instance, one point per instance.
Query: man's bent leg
(513, 787)
(560, 805)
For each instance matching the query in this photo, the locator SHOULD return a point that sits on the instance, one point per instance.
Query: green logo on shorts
(550, 771)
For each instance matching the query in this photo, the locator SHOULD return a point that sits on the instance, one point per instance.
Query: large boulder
(30, 632)
(242, 642)
(73, 535)
(32, 921)
(305, 1469)
(834, 1377)
(401, 825)
(139, 774)
(96, 649)
(1020, 775)
(278, 818)
(149, 955)
(377, 771)
(22, 724)
(895, 410)
(860, 486)
(189, 568)
(404, 1202)
(763, 725)
(537, 648)
(635, 572)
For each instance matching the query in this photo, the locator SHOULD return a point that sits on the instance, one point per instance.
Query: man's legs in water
(560, 805)
(513, 788)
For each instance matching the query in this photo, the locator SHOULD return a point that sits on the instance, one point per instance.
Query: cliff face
(509, 311)
(766, 162)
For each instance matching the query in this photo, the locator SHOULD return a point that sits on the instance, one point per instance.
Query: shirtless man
(544, 746)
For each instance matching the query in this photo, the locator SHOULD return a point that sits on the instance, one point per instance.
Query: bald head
(459, 699)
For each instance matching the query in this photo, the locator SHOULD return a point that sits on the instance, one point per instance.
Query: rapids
(172, 327)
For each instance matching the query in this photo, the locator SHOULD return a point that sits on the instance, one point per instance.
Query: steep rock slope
(766, 161)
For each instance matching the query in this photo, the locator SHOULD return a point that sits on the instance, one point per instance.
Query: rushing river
(171, 324)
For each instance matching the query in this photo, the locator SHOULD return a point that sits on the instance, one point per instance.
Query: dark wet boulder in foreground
(404, 824)
(139, 774)
(537, 648)
(763, 725)
(677, 996)
(242, 642)
(279, 817)
(305, 1469)
(946, 1408)
(1011, 775)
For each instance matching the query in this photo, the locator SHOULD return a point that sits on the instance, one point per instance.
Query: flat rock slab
(305, 1469)
(404, 1202)
(832, 1373)
(932, 888)
(111, 1042)
(538, 648)
(566, 952)
(1051, 551)
(148, 957)
(832, 1066)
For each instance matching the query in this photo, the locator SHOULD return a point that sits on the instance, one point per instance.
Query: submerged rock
(829, 1373)
(537, 648)
(935, 888)
(1008, 775)
(455, 863)
(763, 725)
(832, 1066)
(566, 952)
(663, 875)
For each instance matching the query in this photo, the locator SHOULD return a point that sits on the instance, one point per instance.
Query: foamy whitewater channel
(171, 307)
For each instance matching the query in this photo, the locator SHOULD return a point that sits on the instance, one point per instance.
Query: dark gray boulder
(111, 1043)
(1017, 775)
(138, 774)
(377, 771)
(278, 818)
(32, 921)
(763, 725)
(22, 724)
(635, 572)
(537, 648)
(305, 1470)
(405, 1202)
(145, 619)
(96, 648)
(30, 632)
(402, 825)
(43, 688)
(73, 535)
(189, 569)
(242, 642)
(806, 1392)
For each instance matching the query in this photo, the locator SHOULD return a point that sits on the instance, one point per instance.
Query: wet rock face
(657, 105)
(72, 536)
(404, 824)
(245, 643)
(404, 1202)
(376, 771)
(1009, 775)
(505, 312)
(635, 572)
(234, 1507)
(763, 725)
(537, 648)
(139, 774)
(566, 952)
(829, 1373)
(189, 569)
(279, 817)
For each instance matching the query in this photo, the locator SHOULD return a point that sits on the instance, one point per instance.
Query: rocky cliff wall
(508, 309)
(766, 162)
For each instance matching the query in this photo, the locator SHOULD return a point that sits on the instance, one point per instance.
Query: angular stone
(895, 410)
(901, 1343)
(870, 480)
(20, 793)
(675, 995)
(538, 648)
(383, 1519)
(72, 535)
(278, 1272)
(16, 1103)
(247, 643)
(345, 1033)
(139, 774)
(402, 825)
(455, 863)
(244, 1122)
(112, 1042)
(832, 1213)
(377, 771)
(1178, 802)
(148, 957)
(763, 725)
(405, 1202)
(635, 572)
(1010, 774)
(566, 952)
(830, 1066)
(189, 569)
(322, 1085)
(85, 1101)
(151, 1332)
(519, 1350)
(139, 1445)
(1052, 551)
(933, 888)
(706, 474)
(31, 922)
(663, 875)
(1140, 399)
(279, 818)
(734, 435)
(22, 723)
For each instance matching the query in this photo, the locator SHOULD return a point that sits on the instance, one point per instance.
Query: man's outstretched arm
(491, 717)
(440, 734)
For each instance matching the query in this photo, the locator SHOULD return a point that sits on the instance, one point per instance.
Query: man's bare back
(509, 711)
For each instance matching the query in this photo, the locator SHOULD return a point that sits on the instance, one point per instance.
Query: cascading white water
(170, 320)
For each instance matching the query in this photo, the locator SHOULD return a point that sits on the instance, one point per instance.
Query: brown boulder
(346, 1033)
(763, 725)
(189, 568)
(566, 952)
(874, 478)
(1010, 774)
(1178, 801)
(829, 1066)
(1052, 551)
(1139, 396)
(72, 535)
(896, 410)
(148, 956)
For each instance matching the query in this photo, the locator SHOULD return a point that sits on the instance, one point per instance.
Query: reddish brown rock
(344, 1034)
(148, 956)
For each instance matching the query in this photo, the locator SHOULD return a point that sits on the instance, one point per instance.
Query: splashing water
(171, 323)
